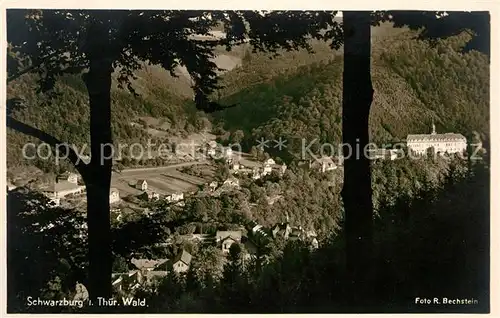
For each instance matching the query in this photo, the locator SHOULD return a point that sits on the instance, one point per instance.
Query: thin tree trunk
(357, 192)
(98, 82)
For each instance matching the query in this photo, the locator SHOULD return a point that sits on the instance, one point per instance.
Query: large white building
(442, 143)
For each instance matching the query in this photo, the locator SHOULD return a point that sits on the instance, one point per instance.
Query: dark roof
(221, 235)
(147, 263)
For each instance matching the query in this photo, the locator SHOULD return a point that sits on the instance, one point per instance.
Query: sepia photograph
(247, 161)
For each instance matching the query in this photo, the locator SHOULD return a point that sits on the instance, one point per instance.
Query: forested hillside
(66, 116)
(415, 83)
(294, 96)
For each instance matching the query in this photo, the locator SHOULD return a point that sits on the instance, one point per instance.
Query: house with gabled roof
(147, 264)
(10, 186)
(175, 197)
(282, 169)
(141, 184)
(181, 262)
(323, 164)
(127, 282)
(213, 186)
(270, 162)
(232, 182)
(68, 176)
(314, 243)
(281, 230)
(225, 239)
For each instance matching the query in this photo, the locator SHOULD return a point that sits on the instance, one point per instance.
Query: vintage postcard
(247, 161)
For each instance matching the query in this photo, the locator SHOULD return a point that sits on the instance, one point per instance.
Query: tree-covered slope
(415, 84)
(296, 96)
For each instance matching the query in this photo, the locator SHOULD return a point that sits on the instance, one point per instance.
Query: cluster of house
(148, 271)
(151, 195)
(216, 189)
(216, 151)
(286, 232)
(441, 143)
(66, 184)
(257, 172)
(418, 144)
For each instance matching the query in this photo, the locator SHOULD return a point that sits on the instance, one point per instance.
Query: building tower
(433, 128)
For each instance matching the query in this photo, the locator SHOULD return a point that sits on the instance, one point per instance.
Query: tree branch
(31, 67)
(21, 127)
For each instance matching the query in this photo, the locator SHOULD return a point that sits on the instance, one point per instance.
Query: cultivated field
(164, 180)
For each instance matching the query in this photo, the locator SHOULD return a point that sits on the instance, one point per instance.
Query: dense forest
(415, 84)
(66, 115)
(296, 95)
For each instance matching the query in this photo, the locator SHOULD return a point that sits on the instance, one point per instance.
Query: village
(133, 189)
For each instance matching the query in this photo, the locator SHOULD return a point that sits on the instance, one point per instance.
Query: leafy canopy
(55, 42)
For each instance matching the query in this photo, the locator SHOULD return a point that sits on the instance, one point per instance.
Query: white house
(10, 186)
(114, 196)
(174, 197)
(391, 154)
(68, 176)
(232, 182)
(211, 152)
(270, 162)
(211, 147)
(55, 201)
(181, 262)
(324, 164)
(283, 169)
(225, 239)
(256, 174)
(142, 185)
(441, 143)
(213, 185)
(314, 243)
(151, 195)
(235, 166)
(227, 153)
(267, 169)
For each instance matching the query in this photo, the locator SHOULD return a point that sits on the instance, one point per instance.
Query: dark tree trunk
(357, 192)
(98, 82)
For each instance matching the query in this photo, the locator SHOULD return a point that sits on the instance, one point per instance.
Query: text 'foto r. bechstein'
(446, 301)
